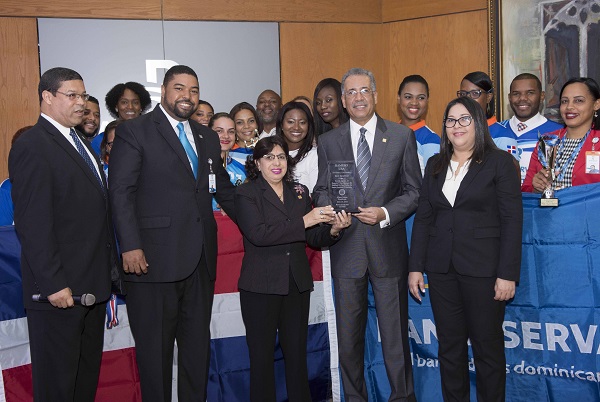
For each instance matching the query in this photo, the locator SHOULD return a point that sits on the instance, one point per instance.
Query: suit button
(288, 253)
(108, 245)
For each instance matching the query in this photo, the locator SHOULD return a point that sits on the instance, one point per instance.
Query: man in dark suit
(63, 220)
(387, 180)
(161, 167)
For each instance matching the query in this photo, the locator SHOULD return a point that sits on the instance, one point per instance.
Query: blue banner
(551, 327)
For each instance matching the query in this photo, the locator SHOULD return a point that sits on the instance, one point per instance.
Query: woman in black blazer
(467, 237)
(276, 219)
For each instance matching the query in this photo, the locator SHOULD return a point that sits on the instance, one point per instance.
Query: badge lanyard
(562, 169)
(212, 179)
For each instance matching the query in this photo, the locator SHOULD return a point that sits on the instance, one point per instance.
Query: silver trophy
(547, 145)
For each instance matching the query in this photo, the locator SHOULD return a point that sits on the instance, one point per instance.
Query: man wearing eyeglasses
(63, 220)
(387, 180)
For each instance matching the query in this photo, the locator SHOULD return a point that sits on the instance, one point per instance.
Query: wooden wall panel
(443, 50)
(311, 52)
(19, 78)
(275, 10)
(397, 10)
(118, 9)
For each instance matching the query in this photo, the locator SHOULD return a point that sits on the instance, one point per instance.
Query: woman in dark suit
(467, 237)
(276, 220)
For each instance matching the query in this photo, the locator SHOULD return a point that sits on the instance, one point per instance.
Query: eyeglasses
(474, 94)
(463, 121)
(363, 91)
(271, 157)
(72, 96)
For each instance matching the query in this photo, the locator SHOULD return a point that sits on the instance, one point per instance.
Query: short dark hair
(115, 93)
(93, 100)
(109, 127)
(246, 106)
(216, 116)
(262, 148)
(413, 78)
(528, 76)
(52, 79)
(594, 89)
(320, 125)
(307, 144)
(176, 70)
(203, 102)
(483, 140)
(483, 81)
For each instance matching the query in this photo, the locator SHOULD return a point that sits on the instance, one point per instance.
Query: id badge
(212, 183)
(592, 162)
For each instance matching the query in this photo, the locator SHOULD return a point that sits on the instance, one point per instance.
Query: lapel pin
(384, 140)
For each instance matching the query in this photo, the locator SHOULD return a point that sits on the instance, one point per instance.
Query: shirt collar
(174, 123)
(532, 123)
(63, 130)
(371, 125)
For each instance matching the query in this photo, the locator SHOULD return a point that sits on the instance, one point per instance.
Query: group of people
(272, 169)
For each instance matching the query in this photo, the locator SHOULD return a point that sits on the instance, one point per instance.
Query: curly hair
(113, 96)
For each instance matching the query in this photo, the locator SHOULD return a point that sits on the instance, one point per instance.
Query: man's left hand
(371, 215)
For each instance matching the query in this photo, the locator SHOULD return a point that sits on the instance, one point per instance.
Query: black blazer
(481, 234)
(62, 217)
(275, 238)
(158, 206)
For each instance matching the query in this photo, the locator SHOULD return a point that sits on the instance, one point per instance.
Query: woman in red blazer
(467, 237)
(577, 151)
(276, 219)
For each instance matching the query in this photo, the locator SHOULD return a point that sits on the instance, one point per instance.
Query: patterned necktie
(363, 158)
(85, 156)
(189, 150)
(521, 126)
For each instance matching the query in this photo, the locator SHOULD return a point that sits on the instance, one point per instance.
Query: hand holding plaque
(342, 190)
(547, 145)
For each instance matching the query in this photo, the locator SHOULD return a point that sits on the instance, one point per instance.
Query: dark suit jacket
(275, 238)
(62, 217)
(394, 182)
(158, 205)
(481, 234)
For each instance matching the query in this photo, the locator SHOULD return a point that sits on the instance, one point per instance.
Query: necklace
(280, 196)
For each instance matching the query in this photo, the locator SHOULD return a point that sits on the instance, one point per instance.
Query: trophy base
(549, 202)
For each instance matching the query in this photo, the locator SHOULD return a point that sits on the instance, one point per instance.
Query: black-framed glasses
(474, 94)
(271, 157)
(72, 96)
(463, 121)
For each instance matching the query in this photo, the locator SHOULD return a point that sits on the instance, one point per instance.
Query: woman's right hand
(319, 215)
(416, 284)
(541, 180)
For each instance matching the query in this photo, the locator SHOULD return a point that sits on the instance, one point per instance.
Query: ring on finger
(320, 212)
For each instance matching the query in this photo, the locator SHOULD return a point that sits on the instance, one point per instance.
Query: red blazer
(579, 175)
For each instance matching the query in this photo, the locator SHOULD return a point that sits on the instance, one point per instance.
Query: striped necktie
(85, 156)
(363, 158)
(188, 149)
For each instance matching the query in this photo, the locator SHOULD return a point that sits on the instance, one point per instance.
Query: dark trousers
(464, 308)
(159, 314)
(264, 316)
(391, 303)
(66, 351)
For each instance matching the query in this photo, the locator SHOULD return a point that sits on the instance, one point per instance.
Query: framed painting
(553, 39)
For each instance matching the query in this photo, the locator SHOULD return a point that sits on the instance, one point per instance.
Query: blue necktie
(189, 150)
(85, 156)
(363, 158)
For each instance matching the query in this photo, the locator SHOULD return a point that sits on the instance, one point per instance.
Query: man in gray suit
(387, 180)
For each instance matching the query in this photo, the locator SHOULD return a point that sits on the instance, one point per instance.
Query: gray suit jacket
(394, 183)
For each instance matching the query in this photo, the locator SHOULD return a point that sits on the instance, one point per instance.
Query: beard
(183, 114)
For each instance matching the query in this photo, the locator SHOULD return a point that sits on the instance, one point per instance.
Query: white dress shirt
(186, 128)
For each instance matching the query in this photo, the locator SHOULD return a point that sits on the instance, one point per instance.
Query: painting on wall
(553, 39)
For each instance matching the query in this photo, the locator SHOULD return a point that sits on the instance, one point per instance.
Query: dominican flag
(229, 376)
(511, 149)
